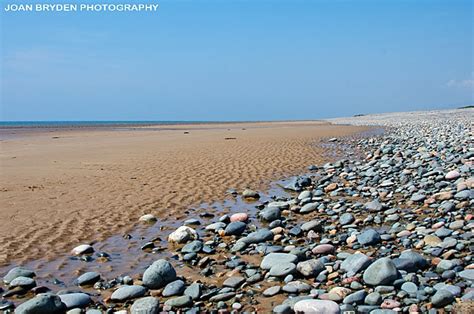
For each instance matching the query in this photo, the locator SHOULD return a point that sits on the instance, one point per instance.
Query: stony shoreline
(388, 233)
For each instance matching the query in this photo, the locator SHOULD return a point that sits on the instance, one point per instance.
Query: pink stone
(316, 307)
(390, 304)
(323, 249)
(452, 175)
(239, 217)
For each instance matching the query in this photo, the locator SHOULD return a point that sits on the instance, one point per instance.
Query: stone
(273, 259)
(270, 214)
(323, 249)
(173, 288)
(346, 219)
(355, 263)
(467, 274)
(160, 273)
(310, 268)
(75, 300)
(23, 282)
(183, 234)
(357, 297)
(452, 175)
(178, 302)
(82, 249)
(192, 247)
(270, 292)
(314, 225)
(373, 206)
(193, 291)
(234, 282)
(17, 272)
(243, 217)
(316, 307)
(248, 193)
(442, 298)
(235, 228)
(380, 272)
(282, 309)
(369, 237)
(148, 218)
(88, 278)
(282, 269)
(373, 298)
(146, 305)
(42, 303)
(308, 208)
(127, 292)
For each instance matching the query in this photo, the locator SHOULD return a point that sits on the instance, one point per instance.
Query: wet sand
(60, 188)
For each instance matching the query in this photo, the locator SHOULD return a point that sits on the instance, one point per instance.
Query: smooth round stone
(323, 249)
(373, 298)
(215, 226)
(88, 278)
(258, 236)
(248, 193)
(356, 297)
(381, 272)
(192, 247)
(316, 307)
(390, 304)
(146, 305)
(178, 302)
(346, 219)
(409, 287)
(418, 197)
(160, 273)
(270, 214)
(75, 300)
(17, 272)
(282, 309)
(355, 263)
(369, 237)
(310, 268)
(282, 269)
(273, 259)
(128, 292)
(183, 234)
(148, 218)
(271, 291)
(193, 291)
(453, 174)
(235, 228)
(192, 222)
(431, 240)
(23, 282)
(174, 288)
(308, 208)
(442, 298)
(467, 274)
(82, 249)
(243, 217)
(312, 225)
(234, 282)
(42, 303)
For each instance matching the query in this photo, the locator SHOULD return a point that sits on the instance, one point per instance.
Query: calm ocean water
(72, 124)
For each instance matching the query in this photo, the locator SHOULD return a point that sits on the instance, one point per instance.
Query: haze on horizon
(238, 60)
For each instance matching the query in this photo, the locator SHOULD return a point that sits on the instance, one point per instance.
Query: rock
(148, 218)
(316, 307)
(124, 293)
(323, 249)
(442, 298)
(146, 305)
(282, 309)
(42, 303)
(381, 272)
(467, 274)
(23, 282)
(243, 217)
(192, 247)
(273, 259)
(357, 297)
(373, 298)
(248, 193)
(160, 273)
(179, 302)
(75, 300)
(259, 236)
(298, 183)
(17, 272)
(355, 263)
(418, 197)
(346, 219)
(215, 226)
(308, 208)
(314, 225)
(415, 258)
(234, 282)
(235, 228)
(270, 292)
(173, 288)
(282, 269)
(270, 214)
(193, 291)
(373, 206)
(183, 234)
(452, 175)
(369, 237)
(82, 249)
(310, 268)
(88, 278)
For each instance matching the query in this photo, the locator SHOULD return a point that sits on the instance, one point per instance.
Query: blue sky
(237, 60)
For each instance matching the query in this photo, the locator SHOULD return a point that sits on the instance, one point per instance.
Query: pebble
(160, 273)
(127, 292)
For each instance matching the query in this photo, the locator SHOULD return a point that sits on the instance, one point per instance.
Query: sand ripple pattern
(83, 186)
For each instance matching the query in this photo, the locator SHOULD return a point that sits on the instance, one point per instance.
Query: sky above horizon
(237, 60)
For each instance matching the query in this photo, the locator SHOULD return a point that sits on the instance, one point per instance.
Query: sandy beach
(60, 188)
